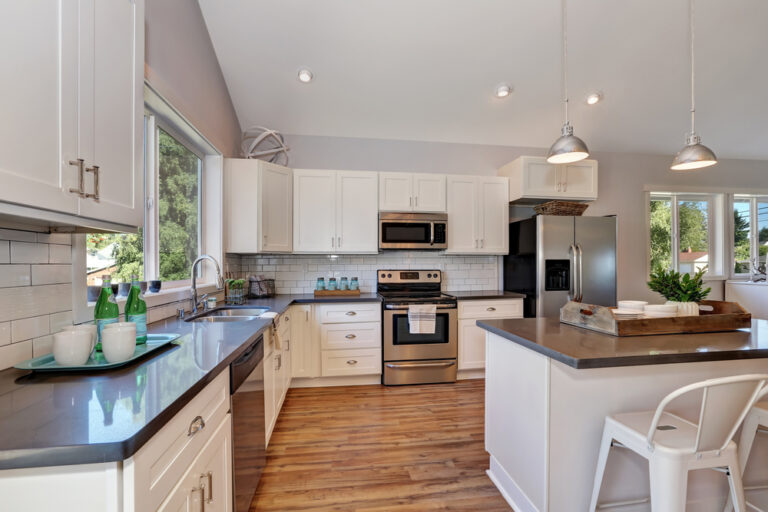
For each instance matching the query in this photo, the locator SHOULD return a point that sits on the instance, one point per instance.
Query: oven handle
(431, 233)
(404, 308)
(444, 364)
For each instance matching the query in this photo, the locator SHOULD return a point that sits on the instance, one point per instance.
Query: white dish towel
(421, 318)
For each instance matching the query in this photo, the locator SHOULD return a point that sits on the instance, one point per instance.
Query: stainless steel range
(417, 358)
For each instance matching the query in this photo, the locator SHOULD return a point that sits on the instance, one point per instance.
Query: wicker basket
(560, 208)
(259, 288)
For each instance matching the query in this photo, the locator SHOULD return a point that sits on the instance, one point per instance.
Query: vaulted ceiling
(427, 69)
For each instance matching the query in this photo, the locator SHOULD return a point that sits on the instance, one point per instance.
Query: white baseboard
(509, 489)
(470, 374)
(321, 382)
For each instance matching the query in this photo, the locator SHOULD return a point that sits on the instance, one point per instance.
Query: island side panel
(579, 402)
(516, 422)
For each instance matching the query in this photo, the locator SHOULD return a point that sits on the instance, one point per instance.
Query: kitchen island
(549, 387)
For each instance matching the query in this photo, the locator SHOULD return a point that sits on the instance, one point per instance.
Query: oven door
(401, 345)
(405, 234)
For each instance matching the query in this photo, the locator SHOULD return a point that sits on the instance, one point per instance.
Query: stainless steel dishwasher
(248, 436)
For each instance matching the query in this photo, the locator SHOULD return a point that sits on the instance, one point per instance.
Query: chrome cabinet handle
(196, 426)
(573, 293)
(410, 201)
(420, 365)
(279, 361)
(209, 484)
(351, 362)
(339, 243)
(416, 201)
(490, 309)
(350, 313)
(287, 345)
(482, 243)
(333, 241)
(95, 171)
(350, 336)
(200, 490)
(80, 190)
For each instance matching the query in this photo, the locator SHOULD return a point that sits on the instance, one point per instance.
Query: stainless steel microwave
(404, 230)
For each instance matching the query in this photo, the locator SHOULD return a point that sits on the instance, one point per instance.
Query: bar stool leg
(746, 440)
(669, 484)
(602, 458)
(736, 485)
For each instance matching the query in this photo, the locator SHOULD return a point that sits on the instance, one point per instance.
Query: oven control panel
(409, 276)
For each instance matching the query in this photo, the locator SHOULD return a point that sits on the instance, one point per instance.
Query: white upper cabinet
(335, 211)
(406, 192)
(79, 94)
(478, 215)
(533, 178)
(258, 206)
(357, 217)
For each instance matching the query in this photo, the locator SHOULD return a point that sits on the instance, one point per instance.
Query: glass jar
(320, 284)
(332, 284)
(344, 285)
(353, 284)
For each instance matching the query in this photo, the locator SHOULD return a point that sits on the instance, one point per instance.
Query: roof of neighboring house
(686, 257)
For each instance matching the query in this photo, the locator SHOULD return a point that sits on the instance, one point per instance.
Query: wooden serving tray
(725, 316)
(337, 293)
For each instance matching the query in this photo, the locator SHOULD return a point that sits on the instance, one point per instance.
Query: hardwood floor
(377, 449)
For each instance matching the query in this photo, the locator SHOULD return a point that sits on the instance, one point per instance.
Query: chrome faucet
(219, 280)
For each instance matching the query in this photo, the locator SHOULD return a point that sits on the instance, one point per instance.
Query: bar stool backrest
(724, 405)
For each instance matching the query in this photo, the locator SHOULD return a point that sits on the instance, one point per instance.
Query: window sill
(746, 282)
(170, 295)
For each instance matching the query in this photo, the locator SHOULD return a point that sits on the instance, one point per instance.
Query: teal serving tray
(97, 361)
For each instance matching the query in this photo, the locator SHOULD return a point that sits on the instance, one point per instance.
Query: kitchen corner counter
(582, 348)
(485, 294)
(49, 419)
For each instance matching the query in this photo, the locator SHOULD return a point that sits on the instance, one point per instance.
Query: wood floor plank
(377, 449)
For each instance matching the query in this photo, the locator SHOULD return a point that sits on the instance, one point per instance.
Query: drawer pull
(351, 313)
(351, 362)
(200, 490)
(350, 336)
(196, 426)
(209, 484)
(490, 309)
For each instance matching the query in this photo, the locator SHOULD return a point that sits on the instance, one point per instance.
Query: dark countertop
(59, 419)
(582, 348)
(485, 294)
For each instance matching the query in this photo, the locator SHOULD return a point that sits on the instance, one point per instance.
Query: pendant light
(694, 155)
(568, 148)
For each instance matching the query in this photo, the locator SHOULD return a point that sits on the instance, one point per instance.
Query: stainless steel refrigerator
(554, 259)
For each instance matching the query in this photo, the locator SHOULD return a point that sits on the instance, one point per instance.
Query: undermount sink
(229, 314)
(211, 319)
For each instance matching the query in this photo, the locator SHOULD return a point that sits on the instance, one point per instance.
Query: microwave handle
(432, 233)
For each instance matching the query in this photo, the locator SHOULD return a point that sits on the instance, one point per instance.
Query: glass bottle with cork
(136, 310)
(106, 310)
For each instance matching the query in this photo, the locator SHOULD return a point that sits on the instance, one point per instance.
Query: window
(750, 232)
(171, 239)
(684, 230)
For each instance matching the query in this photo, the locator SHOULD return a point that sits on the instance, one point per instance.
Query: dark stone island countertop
(78, 418)
(582, 348)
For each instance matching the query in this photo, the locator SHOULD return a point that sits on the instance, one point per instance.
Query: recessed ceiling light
(503, 90)
(305, 75)
(594, 98)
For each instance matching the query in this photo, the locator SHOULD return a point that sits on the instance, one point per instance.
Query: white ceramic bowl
(72, 347)
(660, 307)
(91, 328)
(634, 305)
(118, 344)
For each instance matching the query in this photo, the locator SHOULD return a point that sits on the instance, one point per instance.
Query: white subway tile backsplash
(51, 274)
(60, 321)
(5, 251)
(60, 254)
(14, 275)
(42, 345)
(28, 328)
(19, 236)
(15, 353)
(55, 238)
(5, 333)
(29, 252)
(29, 301)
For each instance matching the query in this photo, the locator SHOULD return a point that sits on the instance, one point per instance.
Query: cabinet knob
(351, 362)
(350, 336)
(351, 313)
(490, 309)
(196, 426)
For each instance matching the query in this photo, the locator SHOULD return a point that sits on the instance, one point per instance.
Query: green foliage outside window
(693, 228)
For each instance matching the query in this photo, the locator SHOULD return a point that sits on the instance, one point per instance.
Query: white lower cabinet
(351, 362)
(350, 339)
(207, 484)
(472, 337)
(277, 370)
(305, 351)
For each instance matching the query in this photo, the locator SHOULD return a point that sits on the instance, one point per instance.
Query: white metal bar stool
(674, 446)
(757, 417)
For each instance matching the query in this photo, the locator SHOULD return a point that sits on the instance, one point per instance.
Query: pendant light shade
(694, 154)
(568, 148)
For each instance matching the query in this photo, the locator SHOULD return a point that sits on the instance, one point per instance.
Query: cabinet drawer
(348, 313)
(504, 308)
(365, 361)
(362, 335)
(162, 461)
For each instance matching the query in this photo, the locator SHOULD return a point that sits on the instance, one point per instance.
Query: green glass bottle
(136, 311)
(106, 310)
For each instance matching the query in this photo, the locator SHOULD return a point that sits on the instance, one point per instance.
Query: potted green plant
(685, 290)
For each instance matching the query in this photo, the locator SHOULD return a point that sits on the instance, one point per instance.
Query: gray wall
(622, 180)
(181, 64)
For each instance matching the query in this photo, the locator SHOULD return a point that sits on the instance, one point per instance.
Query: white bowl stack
(660, 310)
(629, 309)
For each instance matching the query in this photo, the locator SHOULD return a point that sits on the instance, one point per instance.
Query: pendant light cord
(565, 57)
(692, 30)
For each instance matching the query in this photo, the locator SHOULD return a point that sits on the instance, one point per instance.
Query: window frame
(754, 231)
